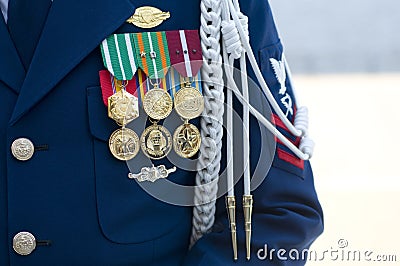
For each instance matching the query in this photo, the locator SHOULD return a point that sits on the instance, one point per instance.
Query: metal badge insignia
(187, 140)
(189, 103)
(157, 103)
(123, 107)
(148, 17)
(156, 142)
(152, 174)
(22, 149)
(124, 144)
(24, 243)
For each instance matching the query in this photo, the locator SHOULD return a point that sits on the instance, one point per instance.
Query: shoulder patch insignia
(280, 74)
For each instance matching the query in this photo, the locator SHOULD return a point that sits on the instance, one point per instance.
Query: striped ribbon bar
(118, 56)
(140, 84)
(111, 85)
(185, 51)
(151, 51)
(145, 58)
(175, 81)
(144, 84)
(172, 83)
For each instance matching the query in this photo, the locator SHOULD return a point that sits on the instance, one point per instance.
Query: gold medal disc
(124, 144)
(123, 107)
(156, 142)
(187, 140)
(157, 104)
(189, 103)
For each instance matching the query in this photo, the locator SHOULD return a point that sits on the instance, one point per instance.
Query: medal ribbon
(111, 85)
(137, 56)
(140, 84)
(185, 51)
(151, 50)
(175, 82)
(144, 84)
(118, 56)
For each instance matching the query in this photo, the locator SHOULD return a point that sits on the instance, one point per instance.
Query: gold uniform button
(22, 149)
(24, 243)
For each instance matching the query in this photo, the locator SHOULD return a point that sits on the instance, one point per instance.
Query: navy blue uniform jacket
(75, 194)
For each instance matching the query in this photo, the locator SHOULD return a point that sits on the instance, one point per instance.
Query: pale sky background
(340, 36)
(345, 57)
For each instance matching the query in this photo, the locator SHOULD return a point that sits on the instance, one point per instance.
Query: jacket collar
(73, 29)
(12, 71)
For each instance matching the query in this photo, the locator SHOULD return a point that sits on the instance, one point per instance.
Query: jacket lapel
(12, 71)
(73, 29)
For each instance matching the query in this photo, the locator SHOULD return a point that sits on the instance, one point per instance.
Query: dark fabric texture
(25, 23)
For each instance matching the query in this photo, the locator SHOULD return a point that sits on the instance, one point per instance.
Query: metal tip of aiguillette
(231, 206)
(248, 209)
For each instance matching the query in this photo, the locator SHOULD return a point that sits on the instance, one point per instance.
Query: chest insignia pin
(148, 17)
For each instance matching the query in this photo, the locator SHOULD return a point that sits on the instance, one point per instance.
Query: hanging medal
(186, 58)
(119, 95)
(153, 58)
(122, 108)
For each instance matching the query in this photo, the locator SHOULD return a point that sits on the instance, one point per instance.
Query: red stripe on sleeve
(287, 157)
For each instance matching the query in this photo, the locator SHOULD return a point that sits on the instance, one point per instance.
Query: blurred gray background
(327, 36)
(345, 57)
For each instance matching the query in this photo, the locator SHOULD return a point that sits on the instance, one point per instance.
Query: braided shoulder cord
(212, 120)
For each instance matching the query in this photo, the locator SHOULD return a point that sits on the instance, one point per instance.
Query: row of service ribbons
(155, 70)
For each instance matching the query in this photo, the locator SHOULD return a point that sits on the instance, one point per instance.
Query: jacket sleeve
(286, 216)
